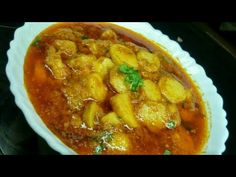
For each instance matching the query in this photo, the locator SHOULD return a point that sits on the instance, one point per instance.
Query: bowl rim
(214, 105)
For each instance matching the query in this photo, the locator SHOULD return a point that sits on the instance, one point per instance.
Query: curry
(103, 89)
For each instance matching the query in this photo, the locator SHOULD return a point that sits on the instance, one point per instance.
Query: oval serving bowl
(24, 35)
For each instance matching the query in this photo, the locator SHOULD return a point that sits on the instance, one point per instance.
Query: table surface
(208, 48)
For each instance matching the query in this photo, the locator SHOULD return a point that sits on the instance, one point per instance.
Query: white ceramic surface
(214, 103)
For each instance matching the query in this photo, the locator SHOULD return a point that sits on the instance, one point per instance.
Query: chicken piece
(148, 61)
(121, 54)
(122, 106)
(65, 34)
(81, 61)
(65, 46)
(54, 62)
(97, 47)
(173, 90)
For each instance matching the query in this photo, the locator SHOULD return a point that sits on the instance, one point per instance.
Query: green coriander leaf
(125, 69)
(84, 37)
(132, 77)
(102, 139)
(107, 137)
(167, 152)
(99, 149)
(170, 124)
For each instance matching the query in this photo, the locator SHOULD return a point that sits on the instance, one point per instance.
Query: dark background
(212, 45)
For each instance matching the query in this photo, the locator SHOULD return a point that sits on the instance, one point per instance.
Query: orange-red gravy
(49, 102)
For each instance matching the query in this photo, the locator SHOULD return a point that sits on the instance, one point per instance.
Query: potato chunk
(54, 62)
(174, 114)
(90, 114)
(117, 81)
(111, 119)
(95, 87)
(102, 66)
(121, 54)
(122, 106)
(151, 90)
(66, 46)
(154, 115)
(120, 142)
(149, 61)
(173, 90)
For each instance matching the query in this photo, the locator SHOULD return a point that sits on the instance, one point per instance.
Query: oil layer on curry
(103, 89)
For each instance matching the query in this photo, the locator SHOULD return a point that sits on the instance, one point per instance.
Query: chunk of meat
(65, 34)
(54, 62)
(69, 34)
(81, 62)
(97, 47)
(65, 46)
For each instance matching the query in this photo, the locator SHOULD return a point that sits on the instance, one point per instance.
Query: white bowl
(24, 35)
